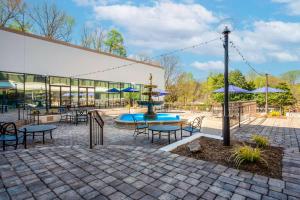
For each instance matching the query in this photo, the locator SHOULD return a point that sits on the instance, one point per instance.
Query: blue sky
(267, 32)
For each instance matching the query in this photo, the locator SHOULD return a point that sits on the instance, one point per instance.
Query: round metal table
(164, 129)
(32, 129)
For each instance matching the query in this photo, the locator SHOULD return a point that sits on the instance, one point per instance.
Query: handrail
(96, 125)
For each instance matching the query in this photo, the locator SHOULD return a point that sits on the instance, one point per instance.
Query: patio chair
(81, 116)
(63, 114)
(194, 127)
(140, 127)
(9, 135)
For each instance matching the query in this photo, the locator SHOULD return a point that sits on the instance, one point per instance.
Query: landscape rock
(194, 147)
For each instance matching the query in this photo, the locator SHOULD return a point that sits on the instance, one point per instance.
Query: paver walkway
(124, 172)
(280, 132)
(131, 172)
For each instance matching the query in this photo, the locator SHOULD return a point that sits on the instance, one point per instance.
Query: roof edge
(74, 46)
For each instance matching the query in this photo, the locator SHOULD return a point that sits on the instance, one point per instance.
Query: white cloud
(95, 2)
(284, 56)
(267, 41)
(210, 65)
(163, 25)
(292, 6)
(167, 25)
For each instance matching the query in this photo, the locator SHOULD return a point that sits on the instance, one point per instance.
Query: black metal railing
(238, 111)
(96, 124)
(28, 114)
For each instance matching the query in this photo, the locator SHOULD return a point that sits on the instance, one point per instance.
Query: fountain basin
(161, 118)
(153, 103)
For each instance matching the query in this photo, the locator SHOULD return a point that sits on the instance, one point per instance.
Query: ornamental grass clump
(246, 154)
(260, 141)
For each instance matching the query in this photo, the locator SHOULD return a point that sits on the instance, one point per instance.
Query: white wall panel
(19, 53)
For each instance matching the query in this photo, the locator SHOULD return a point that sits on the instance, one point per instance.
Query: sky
(266, 32)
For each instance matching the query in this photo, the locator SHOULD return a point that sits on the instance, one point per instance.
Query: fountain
(150, 114)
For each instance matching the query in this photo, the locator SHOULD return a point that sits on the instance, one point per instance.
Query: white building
(67, 74)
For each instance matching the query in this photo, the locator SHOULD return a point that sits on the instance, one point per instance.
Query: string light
(151, 58)
(243, 58)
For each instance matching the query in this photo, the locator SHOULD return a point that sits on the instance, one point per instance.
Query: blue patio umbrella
(130, 89)
(6, 85)
(232, 89)
(113, 90)
(161, 92)
(264, 90)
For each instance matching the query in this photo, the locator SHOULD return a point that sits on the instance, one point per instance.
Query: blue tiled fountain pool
(161, 117)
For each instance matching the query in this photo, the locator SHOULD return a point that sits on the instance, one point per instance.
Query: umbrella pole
(267, 87)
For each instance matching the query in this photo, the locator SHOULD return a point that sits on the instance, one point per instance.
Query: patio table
(32, 129)
(164, 129)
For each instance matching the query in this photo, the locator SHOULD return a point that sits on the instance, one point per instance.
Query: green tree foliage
(279, 100)
(186, 88)
(236, 78)
(115, 43)
(292, 77)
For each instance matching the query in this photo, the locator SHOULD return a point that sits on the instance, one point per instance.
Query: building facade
(54, 73)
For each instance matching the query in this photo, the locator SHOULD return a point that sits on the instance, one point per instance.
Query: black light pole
(226, 122)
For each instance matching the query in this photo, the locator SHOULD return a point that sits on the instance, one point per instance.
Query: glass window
(59, 81)
(35, 88)
(74, 92)
(114, 98)
(12, 96)
(55, 96)
(101, 96)
(86, 83)
(83, 96)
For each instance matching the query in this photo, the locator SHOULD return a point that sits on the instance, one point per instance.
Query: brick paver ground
(127, 172)
(280, 132)
(69, 170)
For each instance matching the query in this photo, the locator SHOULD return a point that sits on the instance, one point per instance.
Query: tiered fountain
(150, 114)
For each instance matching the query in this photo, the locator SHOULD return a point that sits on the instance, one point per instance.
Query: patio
(125, 169)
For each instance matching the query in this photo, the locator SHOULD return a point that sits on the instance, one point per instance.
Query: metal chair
(194, 127)
(81, 116)
(140, 127)
(9, 134)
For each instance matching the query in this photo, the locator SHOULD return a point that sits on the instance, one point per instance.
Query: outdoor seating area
(149, 100)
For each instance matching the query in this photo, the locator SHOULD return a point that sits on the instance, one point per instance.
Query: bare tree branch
(52, 22)
(9, 9)
(93, 39)
(171, 66)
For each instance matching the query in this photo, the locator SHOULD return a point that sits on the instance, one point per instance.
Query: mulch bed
(214, 151)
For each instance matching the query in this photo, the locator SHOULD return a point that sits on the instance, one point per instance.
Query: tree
(171, 66)
(9, 10)
(235, 78)
(93, 39)
(282, 99)
(52, 22)
(21, 21)
(279, 100)
(186, 87)
(291, 76)
(115, 43)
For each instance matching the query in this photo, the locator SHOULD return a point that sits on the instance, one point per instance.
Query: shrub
(274, 113)
(246, 154)
(261, 141)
